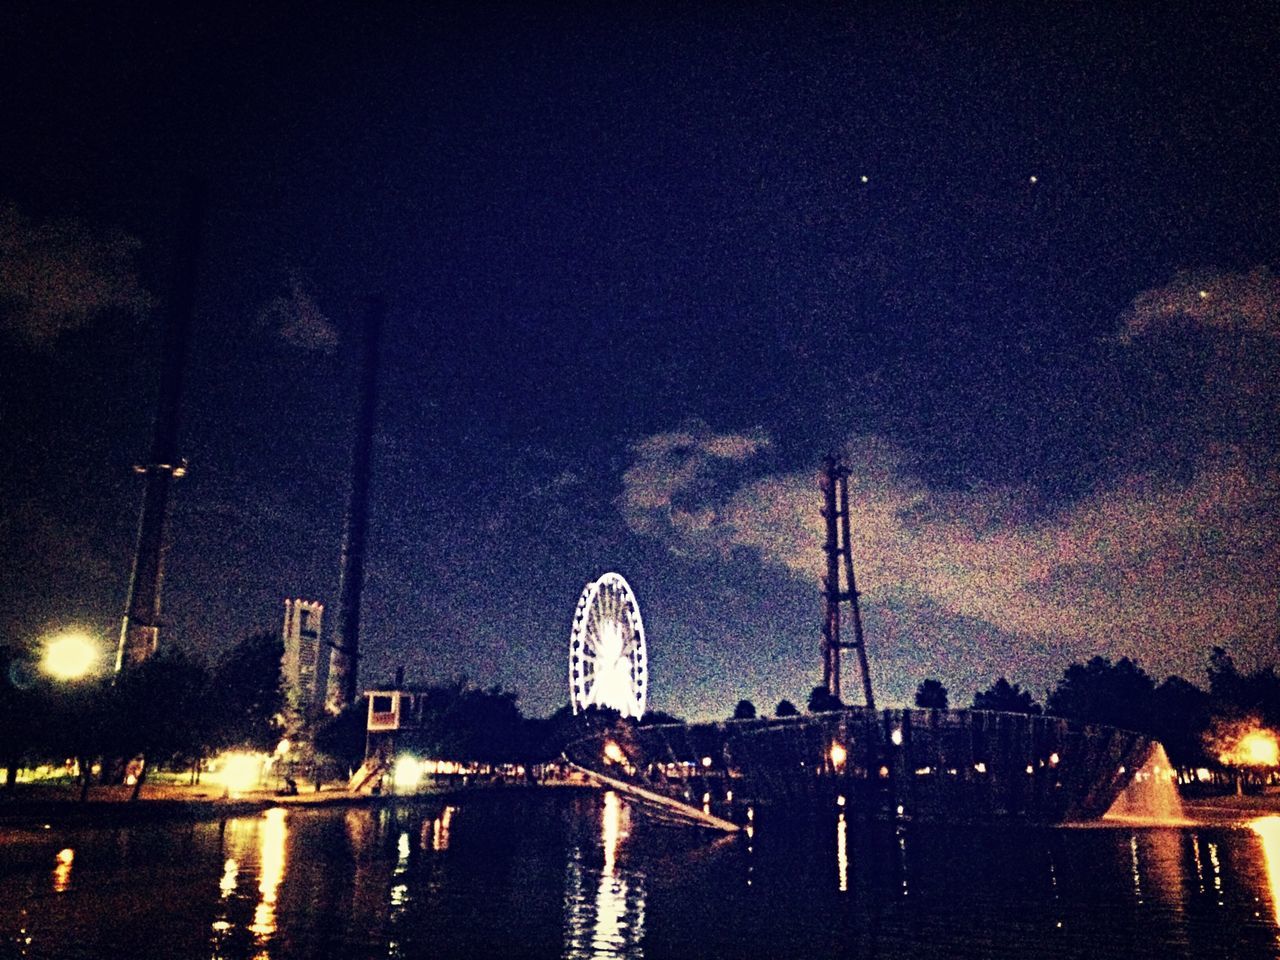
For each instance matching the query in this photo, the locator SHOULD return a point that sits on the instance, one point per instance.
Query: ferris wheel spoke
(607, 659)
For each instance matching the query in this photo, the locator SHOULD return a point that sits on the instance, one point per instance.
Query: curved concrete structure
(951, 765)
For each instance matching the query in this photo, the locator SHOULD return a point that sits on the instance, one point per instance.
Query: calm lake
(577, 875)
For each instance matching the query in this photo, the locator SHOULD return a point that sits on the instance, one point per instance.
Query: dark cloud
(56, 277)
(298, 320)
(1230, 302)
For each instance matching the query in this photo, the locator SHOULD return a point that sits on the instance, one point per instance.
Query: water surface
(562, 874)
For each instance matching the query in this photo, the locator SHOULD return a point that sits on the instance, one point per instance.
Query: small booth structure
(394, 714)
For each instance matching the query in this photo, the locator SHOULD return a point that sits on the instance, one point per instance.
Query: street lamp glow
(70, 656)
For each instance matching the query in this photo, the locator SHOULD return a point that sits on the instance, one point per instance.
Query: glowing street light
(838, 755)
(70, 656)
(613, 752)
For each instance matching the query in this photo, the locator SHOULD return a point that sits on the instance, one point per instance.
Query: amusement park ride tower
(837, 547)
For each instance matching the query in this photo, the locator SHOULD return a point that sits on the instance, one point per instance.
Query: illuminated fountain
(1152, 795)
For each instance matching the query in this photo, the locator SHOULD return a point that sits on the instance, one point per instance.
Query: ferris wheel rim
(608, 599)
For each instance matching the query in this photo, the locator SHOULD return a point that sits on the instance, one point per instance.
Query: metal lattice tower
(140, 628)
(835, 511)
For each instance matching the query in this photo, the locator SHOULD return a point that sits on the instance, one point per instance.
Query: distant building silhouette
(303, 663)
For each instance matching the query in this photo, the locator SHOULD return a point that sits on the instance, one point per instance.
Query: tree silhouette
(1005, 697)
(822, 700)
(745, 710)
(653, 718)
(342, 737)
(931, 695)
(1119, 694)
(785, 708)
(247, 699)
(1180, 717)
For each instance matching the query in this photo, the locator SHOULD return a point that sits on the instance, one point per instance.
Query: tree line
(173, 710)
(1195, 723)
(177, 712)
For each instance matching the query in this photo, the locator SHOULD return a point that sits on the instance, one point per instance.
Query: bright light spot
(1268, 828)
(230, 871)
(1257, 748)
(706, 761)
(980, 767)
(884, 773)
(1030, 769)
(70, 656)
(1261, 748)
(901, 810)
(283, 747)
(1203, 774)
(239, 772)
(863, 178)
(896, 737)
(1033, 178)
(838, 755)
(1204, 294)
(62, 872)
(1054, 758)
(407, 773)
(840, 801)
(614, 753)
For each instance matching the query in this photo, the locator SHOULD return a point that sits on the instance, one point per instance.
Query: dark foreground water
(558, 874)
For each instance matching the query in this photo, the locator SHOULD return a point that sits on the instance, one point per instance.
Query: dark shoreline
(43, 814)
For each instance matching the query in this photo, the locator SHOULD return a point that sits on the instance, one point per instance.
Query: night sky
(645, 267)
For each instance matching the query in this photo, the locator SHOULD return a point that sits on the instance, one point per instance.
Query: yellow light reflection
(273, 834)
(230, 870)
(842, 853)
(62, 872)
(440, 829)
(612, 934)
(613, 752)
(1268, 828)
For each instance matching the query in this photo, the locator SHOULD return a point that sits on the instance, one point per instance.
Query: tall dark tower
(835, 510)
(344, 658)
(140, 631)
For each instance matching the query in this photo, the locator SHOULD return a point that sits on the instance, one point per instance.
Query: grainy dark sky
(646, 265)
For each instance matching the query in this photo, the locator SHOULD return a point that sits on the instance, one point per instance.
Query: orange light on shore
(614, 752)
(838, 755)
(1257, 748)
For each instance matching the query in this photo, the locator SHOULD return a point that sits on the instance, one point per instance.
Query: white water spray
(1152, 795)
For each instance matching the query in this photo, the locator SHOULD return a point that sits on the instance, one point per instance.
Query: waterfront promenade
(50, 806)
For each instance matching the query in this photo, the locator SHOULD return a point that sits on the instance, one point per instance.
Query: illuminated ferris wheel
(608, 665)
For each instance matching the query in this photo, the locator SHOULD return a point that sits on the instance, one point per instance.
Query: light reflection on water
(1268, 828)
(271, 861)
(585, 876)
(612, 924)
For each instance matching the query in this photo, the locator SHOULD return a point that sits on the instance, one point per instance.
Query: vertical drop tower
(140, 630)
(837, 547)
